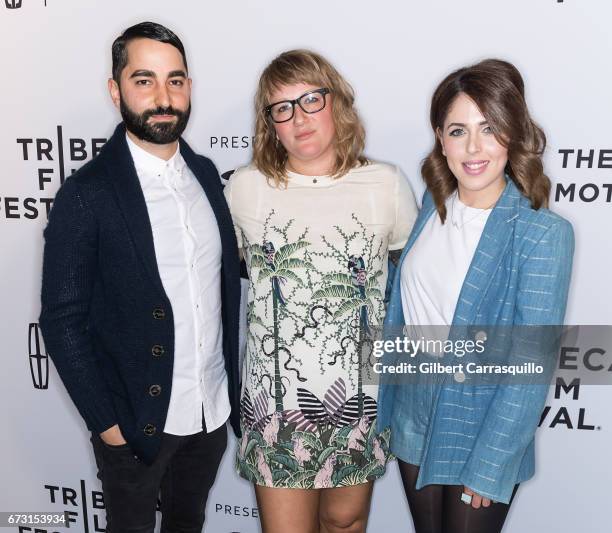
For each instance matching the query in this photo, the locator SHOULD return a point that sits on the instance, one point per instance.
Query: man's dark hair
(143, 30)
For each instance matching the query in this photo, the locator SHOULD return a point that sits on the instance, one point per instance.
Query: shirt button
(149, 430)
(154, 390)
(159, 313)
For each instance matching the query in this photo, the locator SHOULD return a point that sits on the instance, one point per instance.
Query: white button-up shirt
(188, 251)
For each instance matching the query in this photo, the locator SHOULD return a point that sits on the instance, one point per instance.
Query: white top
(188, 252)
(434, 269)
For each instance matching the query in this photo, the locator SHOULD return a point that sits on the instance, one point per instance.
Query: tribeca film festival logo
(55, 157)
(593, 359)
(84, 510)
(39, 358)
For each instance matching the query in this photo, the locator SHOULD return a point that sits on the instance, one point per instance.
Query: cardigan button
(157, 350)
(159, 313)
(154, 390)
(149, 430)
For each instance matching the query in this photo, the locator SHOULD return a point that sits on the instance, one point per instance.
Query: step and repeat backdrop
(55, 61)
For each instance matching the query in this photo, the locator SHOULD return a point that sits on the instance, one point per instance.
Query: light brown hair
(497, 88)
(304, 66)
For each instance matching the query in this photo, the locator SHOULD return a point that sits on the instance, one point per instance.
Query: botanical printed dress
(316, 253)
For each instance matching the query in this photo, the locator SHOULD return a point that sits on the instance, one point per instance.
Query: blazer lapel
(132, 202)
(494, 241)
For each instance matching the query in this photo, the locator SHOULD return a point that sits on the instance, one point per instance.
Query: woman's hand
(477, 499)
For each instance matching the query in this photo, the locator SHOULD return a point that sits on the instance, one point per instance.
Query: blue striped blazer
(519, 275)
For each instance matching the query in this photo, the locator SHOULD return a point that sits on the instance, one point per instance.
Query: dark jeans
(182, 475)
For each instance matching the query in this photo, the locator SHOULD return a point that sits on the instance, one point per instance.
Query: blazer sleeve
(514, 412)
(69, 269)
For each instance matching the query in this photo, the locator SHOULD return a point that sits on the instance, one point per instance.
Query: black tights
(439, 509)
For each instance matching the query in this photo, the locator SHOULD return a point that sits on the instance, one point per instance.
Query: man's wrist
(113, 436)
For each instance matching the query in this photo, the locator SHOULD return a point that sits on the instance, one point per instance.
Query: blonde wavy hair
(497, 88)
(304, 66)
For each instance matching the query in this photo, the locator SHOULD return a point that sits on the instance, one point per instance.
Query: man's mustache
(161, 111)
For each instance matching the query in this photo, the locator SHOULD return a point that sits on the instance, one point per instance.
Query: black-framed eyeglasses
(310, 102)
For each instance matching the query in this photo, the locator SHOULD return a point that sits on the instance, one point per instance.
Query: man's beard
(159, 132)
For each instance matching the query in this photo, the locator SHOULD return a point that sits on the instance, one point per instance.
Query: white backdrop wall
(55, 59)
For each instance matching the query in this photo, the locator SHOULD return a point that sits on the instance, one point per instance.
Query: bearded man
(140, 297)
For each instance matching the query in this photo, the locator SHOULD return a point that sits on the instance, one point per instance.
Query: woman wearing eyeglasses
(485, 251)
(315, 221)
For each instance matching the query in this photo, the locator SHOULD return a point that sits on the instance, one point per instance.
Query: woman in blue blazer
(485, 250)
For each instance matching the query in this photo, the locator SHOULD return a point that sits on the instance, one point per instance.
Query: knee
(339, 521)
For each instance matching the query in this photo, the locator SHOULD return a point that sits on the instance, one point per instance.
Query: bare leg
(283, 510)
(345, 509)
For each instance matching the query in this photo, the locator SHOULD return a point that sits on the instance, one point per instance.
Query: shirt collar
(150, 164)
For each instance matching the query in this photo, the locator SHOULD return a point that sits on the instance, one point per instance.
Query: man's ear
(115, 93)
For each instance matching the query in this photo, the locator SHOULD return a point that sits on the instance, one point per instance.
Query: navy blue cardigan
(106, 320)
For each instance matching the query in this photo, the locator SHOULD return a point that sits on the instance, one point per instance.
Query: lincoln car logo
(13, 4)
(39, 360)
